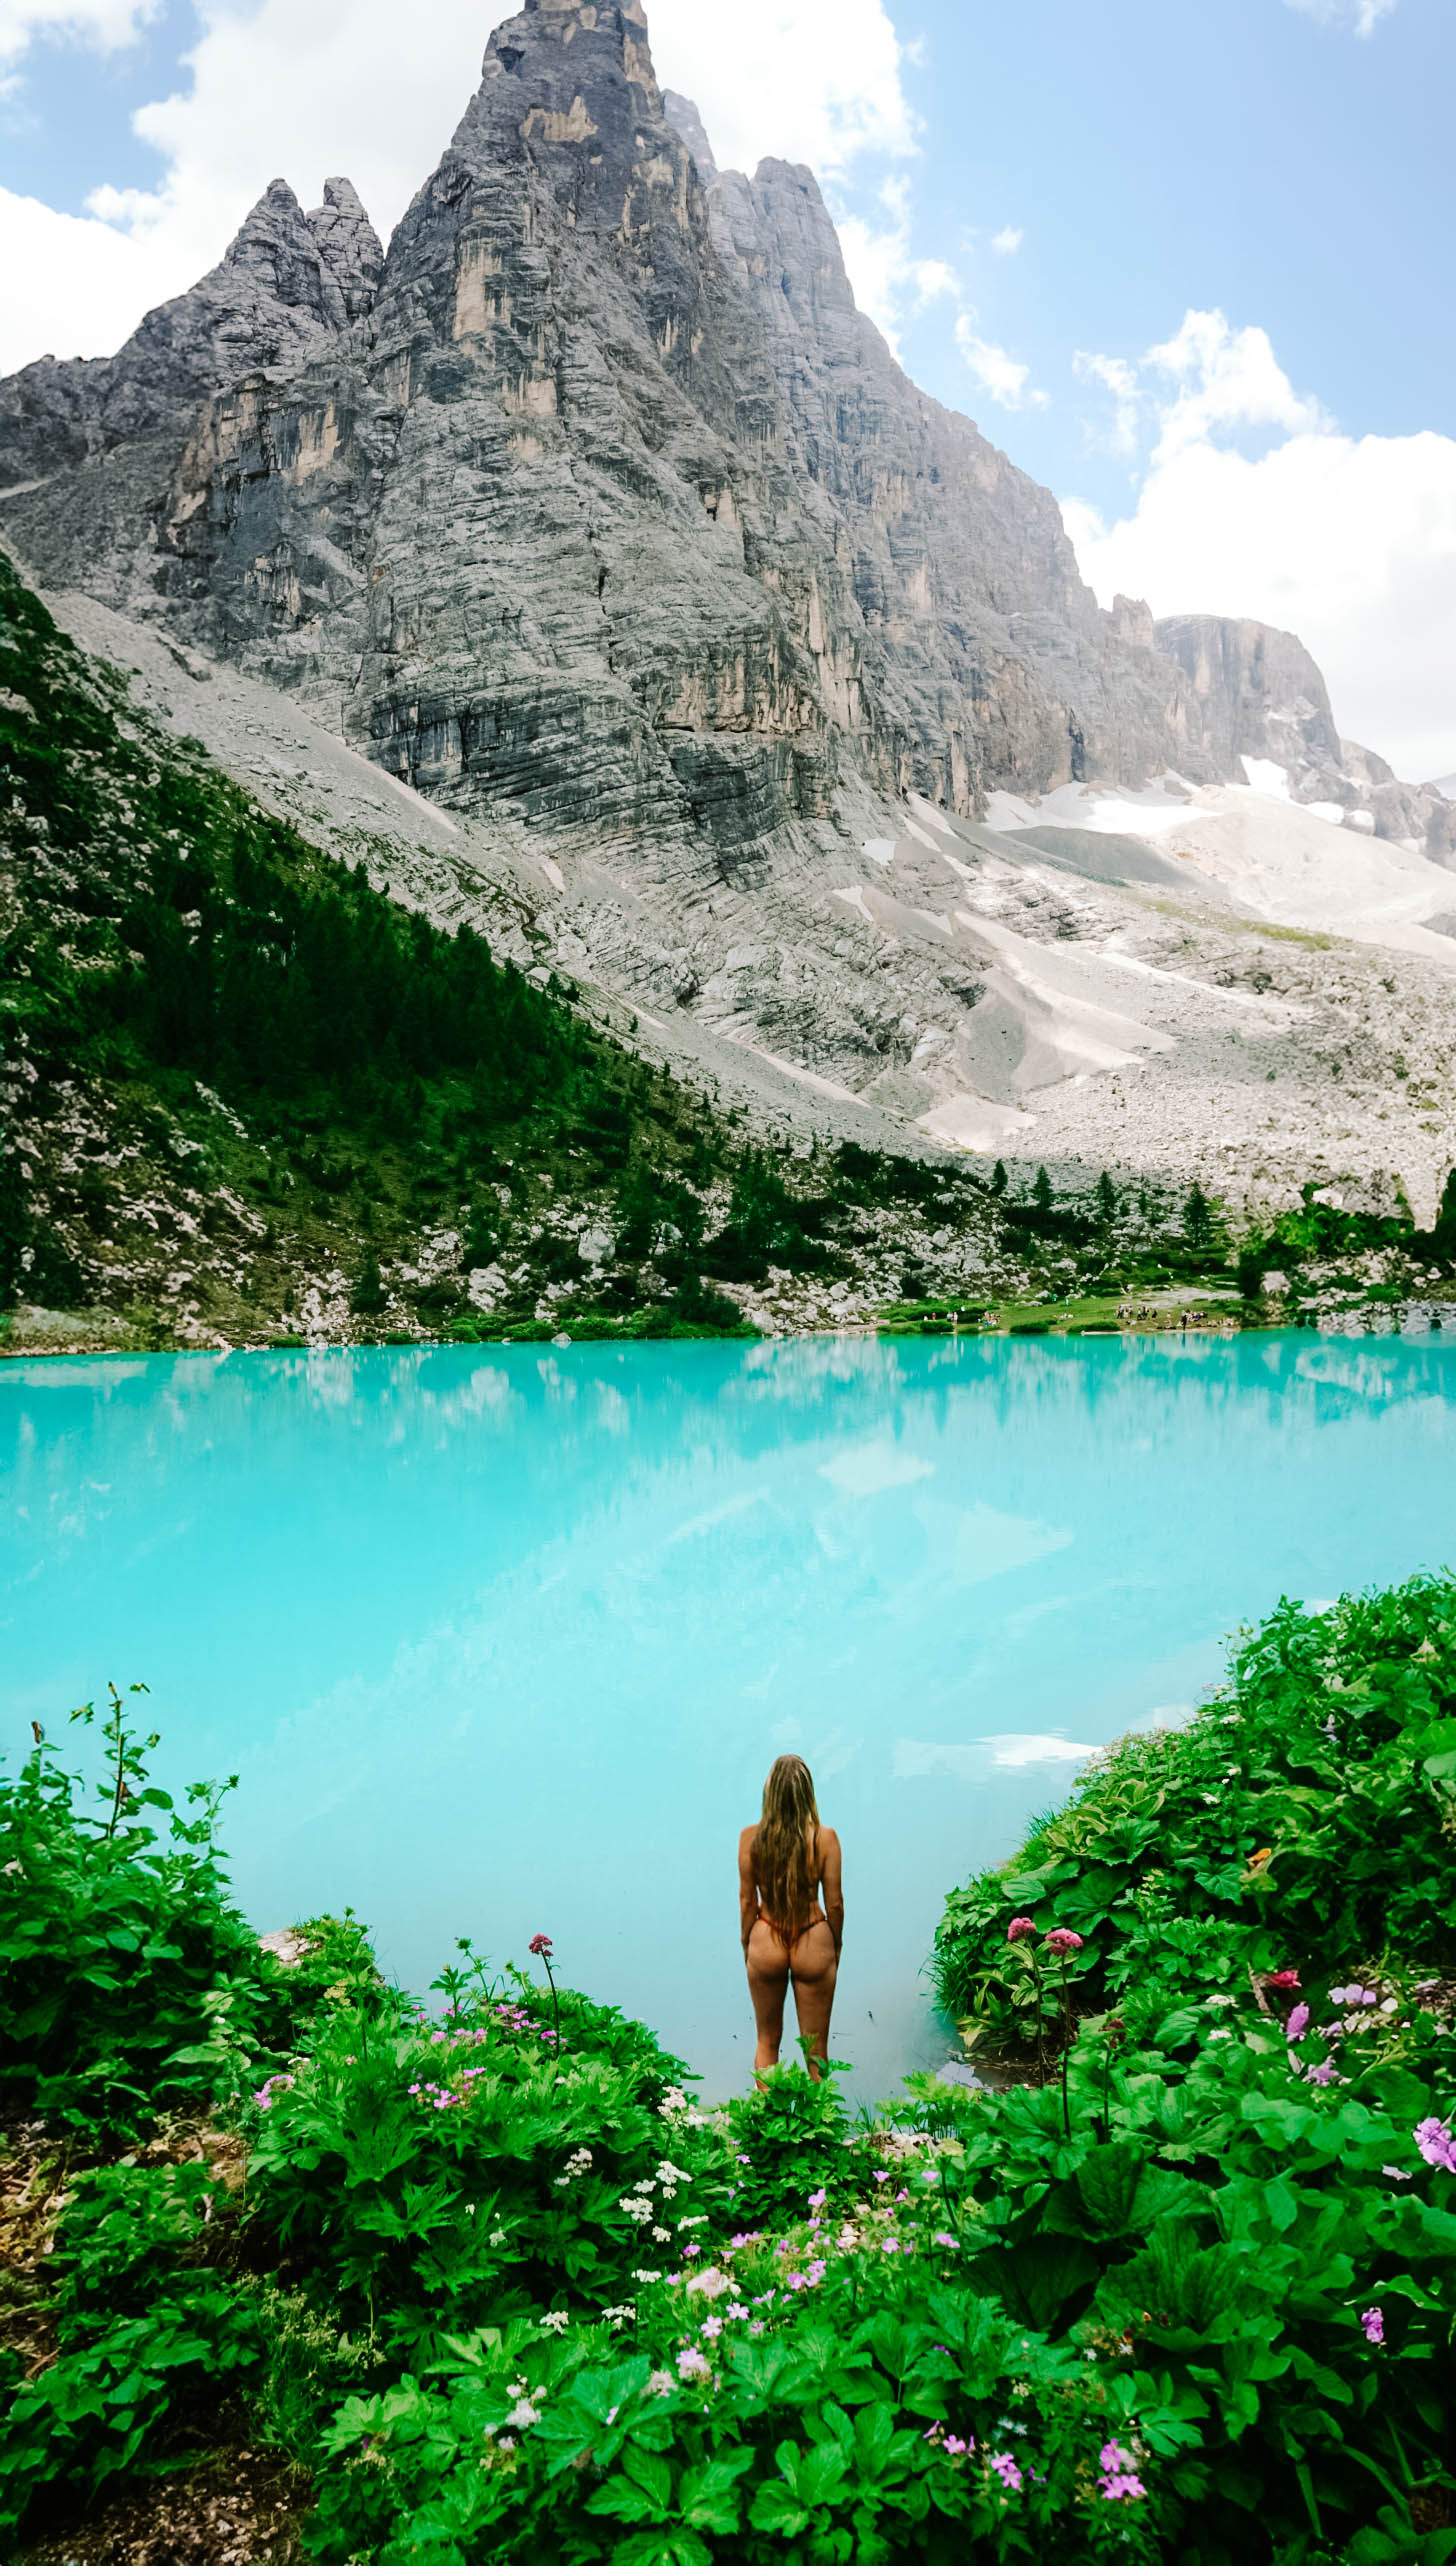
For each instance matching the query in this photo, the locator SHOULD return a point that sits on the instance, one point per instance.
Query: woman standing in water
(785, 1863)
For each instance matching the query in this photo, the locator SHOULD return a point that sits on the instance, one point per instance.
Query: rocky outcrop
(1256, 694)
(288, 285)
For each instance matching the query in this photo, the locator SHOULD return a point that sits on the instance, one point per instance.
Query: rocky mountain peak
(349, 246)
(683, 116)
(568, 74)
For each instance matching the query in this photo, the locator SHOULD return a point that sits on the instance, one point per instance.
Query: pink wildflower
(1283, 1978)
(1298, 2023)
(691, 2364)
(540, 1946)
(1063, 1942)
(1021, 1929)
(1007, 2470)
(1437, 2145)
(1373, 2322)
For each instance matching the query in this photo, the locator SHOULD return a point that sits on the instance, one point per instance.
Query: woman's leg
(816, 1968)
(768, 1984)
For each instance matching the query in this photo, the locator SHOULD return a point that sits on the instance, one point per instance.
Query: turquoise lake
(502, 1641)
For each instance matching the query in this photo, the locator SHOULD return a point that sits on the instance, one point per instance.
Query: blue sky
(1257, 163)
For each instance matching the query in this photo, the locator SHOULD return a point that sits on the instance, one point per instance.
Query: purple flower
(952, 2241)
(1437, 2145)
(1113, 2460)
(691, 2365)
(540, 1946)
(1007, 2470)
(1021, 1929)
(1373, 2322)
(1324, 2074)
(1122, 2489)
(1298, 2023)
(817, 2200)
(1063, 1942)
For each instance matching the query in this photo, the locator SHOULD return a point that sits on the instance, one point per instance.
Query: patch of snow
(1265, 777)
(880, 850)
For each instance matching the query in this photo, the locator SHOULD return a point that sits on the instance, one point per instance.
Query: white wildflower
(647, 2278)
(556, 2320)
(710, 2283)
(523, 2415)
(661, 2384)
(662, 2235)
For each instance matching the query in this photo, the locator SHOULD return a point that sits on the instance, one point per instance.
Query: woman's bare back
(809, 1953)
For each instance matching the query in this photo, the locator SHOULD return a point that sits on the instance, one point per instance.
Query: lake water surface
(502, 1641)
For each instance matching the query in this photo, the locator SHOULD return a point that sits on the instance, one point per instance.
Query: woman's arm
(833, 1885)
(747, 1885)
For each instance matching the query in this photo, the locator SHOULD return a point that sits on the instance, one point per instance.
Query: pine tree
(1106, 1200)
(999, 1178)
(1198, 1219)
(14, 1228)
(369, 1297)
(1041, 1192)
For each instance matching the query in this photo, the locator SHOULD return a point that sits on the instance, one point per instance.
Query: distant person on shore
(785, 1865)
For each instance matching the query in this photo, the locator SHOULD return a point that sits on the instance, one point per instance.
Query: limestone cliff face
(289, 284)
(1257, 693)
(598, 501)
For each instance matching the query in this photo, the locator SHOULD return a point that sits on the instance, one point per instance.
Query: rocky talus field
(584, 568)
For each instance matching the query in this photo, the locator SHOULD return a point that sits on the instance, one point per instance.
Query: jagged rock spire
(683, 116)
(349, 246)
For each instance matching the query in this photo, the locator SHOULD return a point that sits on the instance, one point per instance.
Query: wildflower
(1063, 1943)
(737, 2310)
(580, 2163)
(1373, 2321)
(1220, 2000)
(1021, 1929)
(506, 2443)
(1324, 2074)
(882, 2178)
(523, 2415)
(943, 2239)
(1298, 2023)
(497, 2236)
(1120, 2482)
(1007, 2470)
(662, 2235)
(647, 2278)
(712, 2327)
(1220, 2035)
(616, 2319)
(673, 2101)
(1397, 2174)
(14, 1871)
(661, 2384)
(795, 2281)
(817, 2200)
(1437, 2145)
(555, 2321)
(816, 2274)
(1283, 1978)
(691, 2364)
(541, 1946)
(710, 2283)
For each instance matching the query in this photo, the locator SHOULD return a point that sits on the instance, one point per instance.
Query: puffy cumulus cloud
(1349, 542)
(1008, 241)
(1002, 377)
(303, 88)
(890, 283)
(1363, 15)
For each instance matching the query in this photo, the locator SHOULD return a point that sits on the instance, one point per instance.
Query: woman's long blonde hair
(783, 1853)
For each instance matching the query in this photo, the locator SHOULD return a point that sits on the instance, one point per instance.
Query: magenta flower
(1437, 2145)
(540, 1946)
(1373, 2322)
(1283, 1978)
(1007, 2470)
(1122, 2489)
(1021, 1929)
(1063, 1943)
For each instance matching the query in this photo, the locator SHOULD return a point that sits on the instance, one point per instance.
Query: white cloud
(303, 88)
(890, 283)
(1006, 243)
(1002, 377)
(1363, 15)
(105, 24)
(1350, 542)
(1122, 381)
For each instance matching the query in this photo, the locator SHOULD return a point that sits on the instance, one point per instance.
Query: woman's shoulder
(828, 1841)
(747, 1835)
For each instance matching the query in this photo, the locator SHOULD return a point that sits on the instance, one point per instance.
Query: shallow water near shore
(502, 1641)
